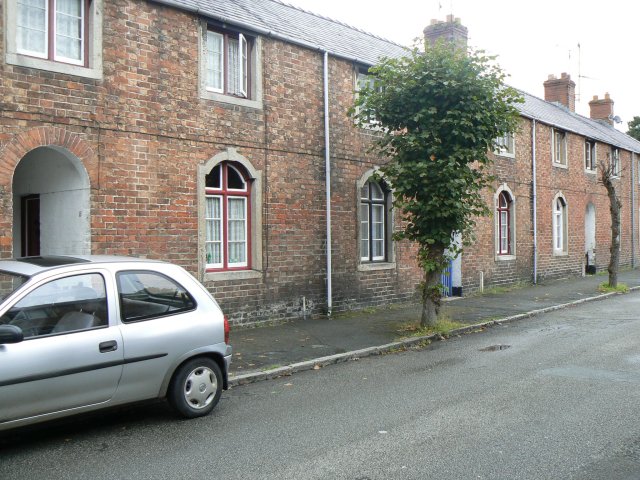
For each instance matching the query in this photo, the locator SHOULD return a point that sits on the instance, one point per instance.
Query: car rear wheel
(195, 388)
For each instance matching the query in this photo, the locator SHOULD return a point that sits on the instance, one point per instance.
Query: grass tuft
(605, 288)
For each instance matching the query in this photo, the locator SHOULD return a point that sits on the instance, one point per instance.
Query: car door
(158, 327)
(71, 356)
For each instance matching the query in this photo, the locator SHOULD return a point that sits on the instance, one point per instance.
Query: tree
(608, 173)
(439, 112)
(634, 128)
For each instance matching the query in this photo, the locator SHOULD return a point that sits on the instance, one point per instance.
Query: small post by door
(30, 226)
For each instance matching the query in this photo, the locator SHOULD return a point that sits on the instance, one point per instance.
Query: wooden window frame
(245, 46)
(370, 203)
(225, 193)
(50, 36)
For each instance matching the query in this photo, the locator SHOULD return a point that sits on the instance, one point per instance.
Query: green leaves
(439, 113)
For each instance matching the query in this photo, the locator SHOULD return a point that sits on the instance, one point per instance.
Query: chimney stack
(561, 90)
(602, 109)
(451, 31)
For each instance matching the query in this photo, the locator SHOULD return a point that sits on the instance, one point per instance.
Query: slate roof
(560, 116)
(298, 26)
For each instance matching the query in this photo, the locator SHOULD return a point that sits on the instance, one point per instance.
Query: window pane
(215, 63)
(377, 231)
(32, 26)
(237, 230)
(213, 241)
(233, 80)
(364, 231)
(504, 232)
(69, 24)
(235, 180)
(364, 191)
(212, 180)
(376, 191)
(149, 294)
(80, 303)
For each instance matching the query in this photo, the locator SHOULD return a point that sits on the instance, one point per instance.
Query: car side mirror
(10, 334)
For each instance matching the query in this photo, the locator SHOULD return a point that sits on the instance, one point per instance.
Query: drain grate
(495, 348)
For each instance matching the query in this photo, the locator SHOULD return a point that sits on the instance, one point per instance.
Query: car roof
(30, 266)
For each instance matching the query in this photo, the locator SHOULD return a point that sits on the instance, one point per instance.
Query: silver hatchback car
(87, 332)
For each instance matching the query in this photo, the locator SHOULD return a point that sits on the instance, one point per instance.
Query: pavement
(272, 351)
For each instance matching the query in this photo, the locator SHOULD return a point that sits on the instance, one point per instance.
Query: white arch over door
(58, 179)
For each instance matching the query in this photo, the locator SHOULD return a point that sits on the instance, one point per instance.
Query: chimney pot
(452, 32)
(602, 109)
(561, 90)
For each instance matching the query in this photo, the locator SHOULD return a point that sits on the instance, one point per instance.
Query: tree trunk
(614, 209)
(430, 299)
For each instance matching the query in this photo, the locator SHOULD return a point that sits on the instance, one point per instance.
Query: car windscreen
(9, 282)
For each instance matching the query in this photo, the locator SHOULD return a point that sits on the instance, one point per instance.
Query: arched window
(227, 214)
(373, 222)
(559, 225)
(504, 223)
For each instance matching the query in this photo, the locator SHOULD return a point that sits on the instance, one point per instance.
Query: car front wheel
(195, 388)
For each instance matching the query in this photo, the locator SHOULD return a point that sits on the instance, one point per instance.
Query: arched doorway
(590, 239)
(51, 204)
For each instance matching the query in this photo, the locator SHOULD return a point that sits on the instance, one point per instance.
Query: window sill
(222, 98)
(505, 155)
(231, 275)
(369, 267)
(505, 258)
(560, 165)
(51, 66)
(558, 253)
(590, 172)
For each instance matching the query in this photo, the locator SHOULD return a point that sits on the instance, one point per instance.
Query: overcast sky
(531, 39)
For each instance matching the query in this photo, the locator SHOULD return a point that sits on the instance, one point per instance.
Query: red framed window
(504, 224)
(53, 30)
(227, 214)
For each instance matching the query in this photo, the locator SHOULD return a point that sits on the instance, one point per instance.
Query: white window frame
(505, 146)
(388, 263)
(591, 147)
(563, 162)
(560, 225)
(363, 78)
(90, 67)
(616, 168)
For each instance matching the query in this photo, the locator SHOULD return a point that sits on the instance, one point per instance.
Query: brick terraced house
(214, 134)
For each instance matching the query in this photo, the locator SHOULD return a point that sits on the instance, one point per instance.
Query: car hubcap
(200, 387)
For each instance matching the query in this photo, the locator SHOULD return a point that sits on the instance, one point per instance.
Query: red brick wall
(142, 131)
(148, 130)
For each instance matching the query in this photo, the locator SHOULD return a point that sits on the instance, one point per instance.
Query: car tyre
(195, 388)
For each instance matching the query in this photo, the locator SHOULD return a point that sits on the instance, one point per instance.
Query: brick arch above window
(53, 137)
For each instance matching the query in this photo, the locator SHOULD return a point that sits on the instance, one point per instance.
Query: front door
(30, 226)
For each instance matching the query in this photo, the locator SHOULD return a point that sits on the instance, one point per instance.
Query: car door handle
(110, 346)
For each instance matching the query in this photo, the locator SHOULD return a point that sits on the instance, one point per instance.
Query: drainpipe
(535, 203)
(327, 173)
(633, 208)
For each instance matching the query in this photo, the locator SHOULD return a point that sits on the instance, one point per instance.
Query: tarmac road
(555, 396)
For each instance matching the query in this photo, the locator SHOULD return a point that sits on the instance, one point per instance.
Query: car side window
(144, 295)
(68, 304)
